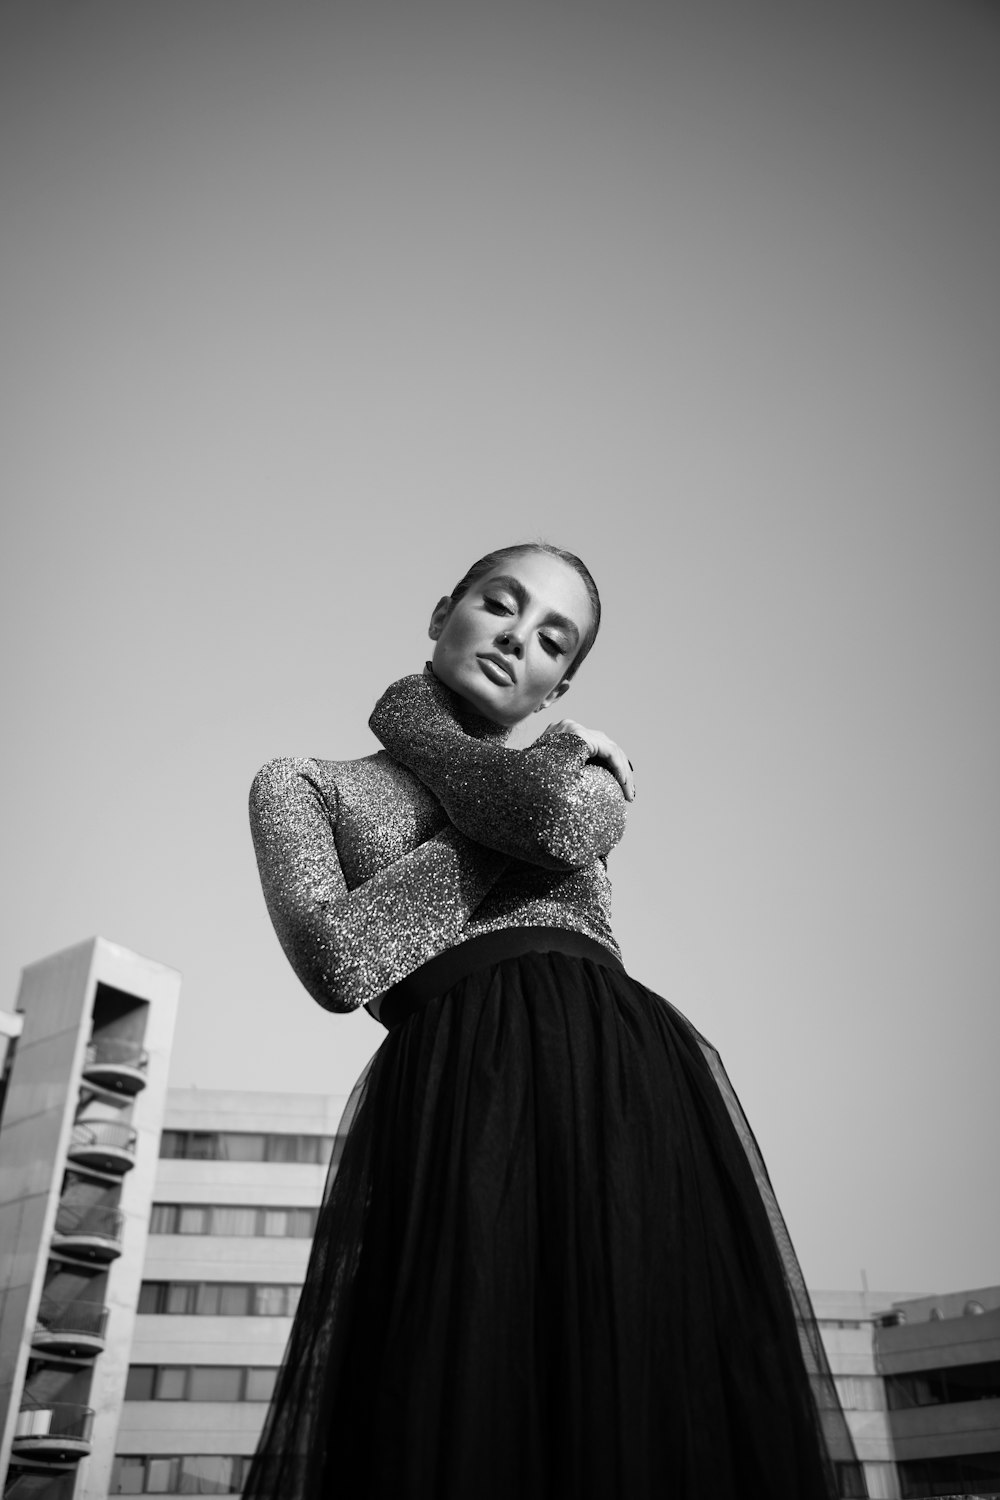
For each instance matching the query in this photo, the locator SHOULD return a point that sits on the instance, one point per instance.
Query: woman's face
(506, 644)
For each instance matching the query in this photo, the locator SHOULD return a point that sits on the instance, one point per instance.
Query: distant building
(149, 1279)
(238, 1187)
(86, 1086)
(940, 1360)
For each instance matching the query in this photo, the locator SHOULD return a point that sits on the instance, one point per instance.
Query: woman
(550, 1263)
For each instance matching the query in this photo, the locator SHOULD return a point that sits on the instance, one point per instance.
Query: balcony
(93, 1233)
(40, 1484)
(103, 1146)
(54, 1433)
(74, 1330)
(116, 1066)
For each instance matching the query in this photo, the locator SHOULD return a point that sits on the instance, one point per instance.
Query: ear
(557, 692)
(441, 612)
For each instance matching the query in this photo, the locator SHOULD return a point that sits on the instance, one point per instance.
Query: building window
(234, 1220)
(192, 1474)
(171, 1383)
(227, 1299)
(215, 1383)
(978, 1382)
(139, 1386)
(247, 1145)
(163, 1219)
(151, 1297)
(180, 1297)
(128, 1476)
(860, 1392)
(200, 1383)
(260, 1384)
(968, 1474)
(192, 1219)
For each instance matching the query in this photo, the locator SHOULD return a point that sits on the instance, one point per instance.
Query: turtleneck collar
(472, 721)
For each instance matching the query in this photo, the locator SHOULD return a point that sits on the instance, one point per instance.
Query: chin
(482, 695)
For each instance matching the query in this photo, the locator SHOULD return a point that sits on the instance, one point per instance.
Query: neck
(475, 724)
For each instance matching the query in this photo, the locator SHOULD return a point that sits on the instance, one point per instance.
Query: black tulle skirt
(550, 1263)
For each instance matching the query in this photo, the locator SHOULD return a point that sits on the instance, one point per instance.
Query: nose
(510, 640)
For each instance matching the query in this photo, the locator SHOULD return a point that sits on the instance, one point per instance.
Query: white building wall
(159, 1428)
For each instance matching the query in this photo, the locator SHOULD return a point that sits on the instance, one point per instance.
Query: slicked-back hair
(493, 560)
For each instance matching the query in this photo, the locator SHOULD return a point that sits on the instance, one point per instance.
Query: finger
(618, 763)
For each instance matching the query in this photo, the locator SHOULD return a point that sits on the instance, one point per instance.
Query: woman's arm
(349, 946)
(545, 804)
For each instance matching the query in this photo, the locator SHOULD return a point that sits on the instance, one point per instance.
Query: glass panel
(180, 1296)
(860, 1392)
(208, 1476)
(301, 1223)
(320, 1147)
(284, 1148)
(160, 1476)
(202, 1145)
(192, 1219)
(270, 1301)
(227, 1220)
(235, 1300)
(241, 1146)
(139, 1385)
(151, 1296)
(260, 1384)
(128, 1477)
(294, 1292)
(171, 1381)
(172, 1143)
(216, 1383)
(208, 1298)
(163, 1219)
(276, 1222)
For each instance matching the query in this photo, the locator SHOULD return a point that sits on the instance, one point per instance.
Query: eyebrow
(517, 588)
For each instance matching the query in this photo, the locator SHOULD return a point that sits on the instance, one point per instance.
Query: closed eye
(497, 606)
(554, 648)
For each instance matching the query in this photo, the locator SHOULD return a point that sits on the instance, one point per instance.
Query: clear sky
(307, 305)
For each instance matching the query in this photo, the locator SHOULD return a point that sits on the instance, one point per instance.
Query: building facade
(85, 1092)
(939, 1358)
(153, 1243)
(238, 1187)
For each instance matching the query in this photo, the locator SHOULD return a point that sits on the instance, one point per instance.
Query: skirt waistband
(486, 948)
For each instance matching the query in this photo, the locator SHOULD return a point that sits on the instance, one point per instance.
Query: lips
(501, 669)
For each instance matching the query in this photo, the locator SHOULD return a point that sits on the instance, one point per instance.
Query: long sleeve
(544, 804)
(350, 946)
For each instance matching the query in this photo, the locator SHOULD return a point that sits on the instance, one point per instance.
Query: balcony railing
(38, 1485)
(54, 1432)
(116, 1065)
(76, 1329)
(92, 1231)
(103, 1145)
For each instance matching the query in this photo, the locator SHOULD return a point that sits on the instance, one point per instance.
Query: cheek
(458, 633)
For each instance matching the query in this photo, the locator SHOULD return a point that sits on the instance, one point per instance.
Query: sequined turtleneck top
(371, 867)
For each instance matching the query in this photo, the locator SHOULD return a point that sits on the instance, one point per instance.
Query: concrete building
(239, 1183)
(153, 1243)
(86, 1087)
(940, 1360)
(848, 1322)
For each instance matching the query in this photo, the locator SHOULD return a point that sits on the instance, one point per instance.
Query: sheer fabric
(551, 1265)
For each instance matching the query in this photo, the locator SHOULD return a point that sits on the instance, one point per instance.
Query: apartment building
(86, 1085)
(153, 1242)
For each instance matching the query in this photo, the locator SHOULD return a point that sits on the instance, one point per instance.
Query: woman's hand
(602, 749)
